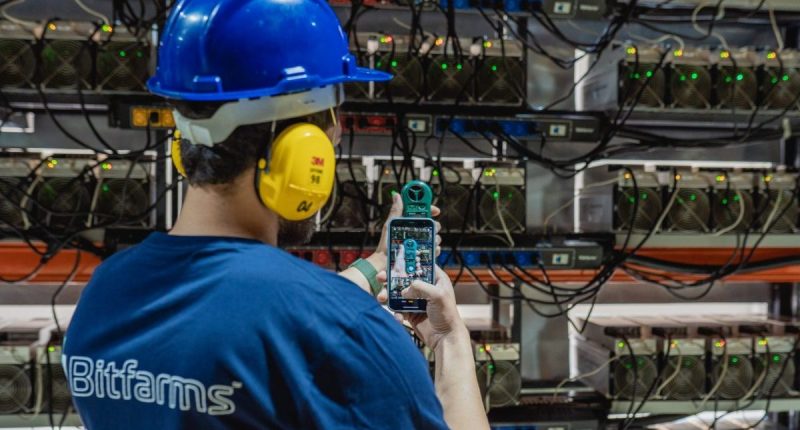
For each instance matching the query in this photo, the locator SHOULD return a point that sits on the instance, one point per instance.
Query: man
(213, 327)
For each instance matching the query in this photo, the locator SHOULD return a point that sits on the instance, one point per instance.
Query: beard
(294, 233)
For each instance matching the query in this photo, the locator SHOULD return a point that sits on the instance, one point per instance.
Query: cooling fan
(782, 89)
(647, 212)
(61, 400)
(66, 64)
(449, 80)
(350, 209)
(690, 86)
(500, 383)
(738, 377)
(737, 88)
(122, 66)
(773, 385)
(644, 374)
(17, 63)
(727, 210)
(407, 82)
(503, 204)
(633, 79)
(15, 388)
(62, 203)
(454, 203)
(691, 210)
(689, 382)
(772, 205)
(501, 80)
(10, 199)
(121, 202)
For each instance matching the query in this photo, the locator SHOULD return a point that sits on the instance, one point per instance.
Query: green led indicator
(394, 63)
(724, 201)
(740, 77)
(495, 195)
(494, 67)
(122, 53)
(694, 75)
(776, 358)
(734, 360)
(139, 54)
(51, 349)
(693, 197)
(736, 198)
(637, 75)
(620, 345)
(644, 196)
(785, 78)
(683, 78)
(105, 188)
(631, 199)
(435, 173)
(649, 74)
(510, 196)
(458, 66)
(628, 366)
(444, 66)
(774, 80)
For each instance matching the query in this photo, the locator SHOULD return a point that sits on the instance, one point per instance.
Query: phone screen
(411, 257)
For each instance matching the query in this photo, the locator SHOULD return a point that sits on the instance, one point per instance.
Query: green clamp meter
(417, 198)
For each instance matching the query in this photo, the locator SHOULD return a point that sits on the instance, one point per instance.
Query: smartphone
(411, 257)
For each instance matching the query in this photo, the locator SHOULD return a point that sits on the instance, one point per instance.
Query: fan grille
(454, 202)
(728, 205)
(10, 199)
(408, 77)
(737, 88)
(501, 80)
(449, 79)
(691, 210)
(776, 201)
(15, 388)
(634, 78)
(624, 375)
(691, 86)
(65, 202)
(500, 381)
(647, 212)
(121, 201)
(738, 378)
(503, 204)
(782, 89)
(122, 66)
(65, 64)
(17, 63)
(689, 383)
(779, 380)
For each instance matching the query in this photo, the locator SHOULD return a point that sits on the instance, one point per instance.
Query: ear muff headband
(298, 179)
(175, 153)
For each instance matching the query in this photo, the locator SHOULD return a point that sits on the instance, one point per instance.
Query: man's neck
(230, 211)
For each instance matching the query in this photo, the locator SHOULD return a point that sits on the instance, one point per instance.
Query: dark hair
(223, 162)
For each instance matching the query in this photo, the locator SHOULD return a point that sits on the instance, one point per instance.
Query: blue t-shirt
(185, 332)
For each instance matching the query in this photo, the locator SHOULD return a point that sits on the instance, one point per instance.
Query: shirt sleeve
(381, 377)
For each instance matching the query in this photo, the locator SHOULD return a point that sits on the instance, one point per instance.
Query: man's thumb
(397, 206)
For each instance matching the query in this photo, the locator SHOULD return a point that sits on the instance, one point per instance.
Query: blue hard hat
(212, 50)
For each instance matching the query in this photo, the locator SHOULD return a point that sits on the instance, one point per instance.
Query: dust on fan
(17, 63)
(779, 209)
(738, 376)
(500, 383)
(780, 374)
(737, 88)
(691, 210)
(690, 86)
(122, 66)
(782, 89)
(503, 204)
(727, 210)
(66, 64)
(449, 79)
(647, 212)
(15, 389)
(62, 203)
(454, 202)
(121, 202)
(501, 80)
(644, 373)
(689, 382)
(633, 79)
(60, 400)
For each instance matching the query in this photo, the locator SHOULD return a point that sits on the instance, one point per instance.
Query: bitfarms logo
(107, 379)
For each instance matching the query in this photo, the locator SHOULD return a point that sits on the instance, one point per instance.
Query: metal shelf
(40, 420)
(691, 407)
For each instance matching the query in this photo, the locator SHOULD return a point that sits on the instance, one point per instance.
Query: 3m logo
(317, 161)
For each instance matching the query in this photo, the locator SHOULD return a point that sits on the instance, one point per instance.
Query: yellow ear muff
(175, 151)
(301, 172)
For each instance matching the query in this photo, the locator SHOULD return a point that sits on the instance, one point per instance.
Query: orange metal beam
(17, 260)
